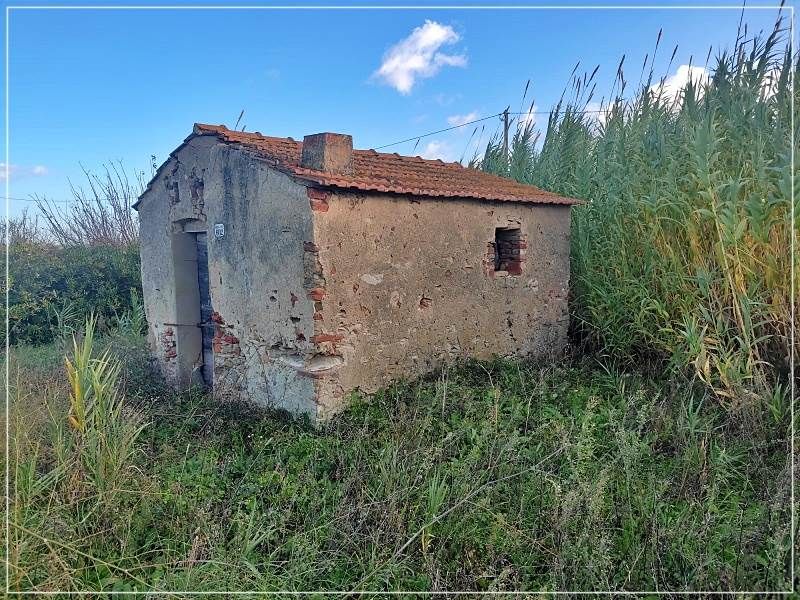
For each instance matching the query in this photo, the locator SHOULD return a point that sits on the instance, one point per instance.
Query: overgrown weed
(485, 476)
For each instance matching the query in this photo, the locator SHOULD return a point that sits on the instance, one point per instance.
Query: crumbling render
(344, 273)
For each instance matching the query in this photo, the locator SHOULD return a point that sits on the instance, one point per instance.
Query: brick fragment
(317, 293)
(319, 205)
(318, 199)
(317, 193)
(514, 268)
(327, 337)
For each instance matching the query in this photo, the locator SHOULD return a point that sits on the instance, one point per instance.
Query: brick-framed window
(509, 247)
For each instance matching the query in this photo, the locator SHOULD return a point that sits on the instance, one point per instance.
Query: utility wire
(416, 137)
(533, 112)
(35, 200)
(411, 139)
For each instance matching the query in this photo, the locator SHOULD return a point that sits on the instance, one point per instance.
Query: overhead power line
(417, 137)
(34, 200)
(500, 114)
(503, 114)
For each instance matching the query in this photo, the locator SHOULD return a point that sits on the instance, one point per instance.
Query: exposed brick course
(327, 337)
(168, 343)
(317, 293)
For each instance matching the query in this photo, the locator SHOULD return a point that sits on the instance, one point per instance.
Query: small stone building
(289, 274)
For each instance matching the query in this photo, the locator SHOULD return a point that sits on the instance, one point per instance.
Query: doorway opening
(207, 326)
(193, 309)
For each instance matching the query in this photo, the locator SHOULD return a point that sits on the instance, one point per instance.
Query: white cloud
(418, 56)
(457, 120)
(597, 113)
(672, 87)
(7, 172)
(438, 149)
(17, 171)
(769, 87)
(529, 118)
(446, 99)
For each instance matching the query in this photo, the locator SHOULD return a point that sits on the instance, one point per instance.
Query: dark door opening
(207, 326)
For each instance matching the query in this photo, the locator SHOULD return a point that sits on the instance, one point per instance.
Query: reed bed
(681, 253)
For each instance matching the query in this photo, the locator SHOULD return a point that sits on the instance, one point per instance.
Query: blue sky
(92, 86)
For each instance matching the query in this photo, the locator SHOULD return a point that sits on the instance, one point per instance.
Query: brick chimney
(328, 152)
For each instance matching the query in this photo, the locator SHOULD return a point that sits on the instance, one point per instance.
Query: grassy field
(509, 475)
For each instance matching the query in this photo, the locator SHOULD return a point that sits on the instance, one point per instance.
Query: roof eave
(321, 182)
(321, 179)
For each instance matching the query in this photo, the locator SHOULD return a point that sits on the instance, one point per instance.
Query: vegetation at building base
(681, 253)
(499, 476)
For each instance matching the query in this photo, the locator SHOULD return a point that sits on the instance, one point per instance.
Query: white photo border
(477, 7)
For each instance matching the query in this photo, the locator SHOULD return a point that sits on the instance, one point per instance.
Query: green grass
(485, 476)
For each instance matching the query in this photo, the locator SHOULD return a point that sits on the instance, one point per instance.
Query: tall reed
(74, 472)
(681, 251)
(103, 437)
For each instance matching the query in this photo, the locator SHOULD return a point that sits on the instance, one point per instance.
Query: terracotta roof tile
(376, 171)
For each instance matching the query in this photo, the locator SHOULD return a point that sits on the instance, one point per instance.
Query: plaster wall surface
(409, 284)
(169, 265)
(317, 293)
(258, 279)
(257, 274)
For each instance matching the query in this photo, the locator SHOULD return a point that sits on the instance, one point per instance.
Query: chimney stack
(328, 152)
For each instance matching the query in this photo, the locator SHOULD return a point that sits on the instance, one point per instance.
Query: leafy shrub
(53, 288)
(23, 229)
(131, 322)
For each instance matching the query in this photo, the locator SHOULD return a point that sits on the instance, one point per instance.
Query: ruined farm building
(290, 273)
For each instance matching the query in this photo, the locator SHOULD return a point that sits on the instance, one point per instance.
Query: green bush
(53, 288)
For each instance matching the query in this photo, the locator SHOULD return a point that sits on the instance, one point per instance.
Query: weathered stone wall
(318, 293)
(257, 274)
(169, 267)
(410, 283)
(258, 282)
